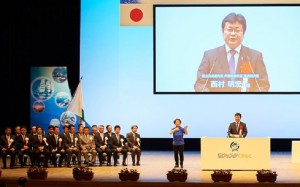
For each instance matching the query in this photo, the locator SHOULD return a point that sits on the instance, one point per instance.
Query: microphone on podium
(248, 60)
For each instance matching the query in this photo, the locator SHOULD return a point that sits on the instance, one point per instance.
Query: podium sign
(295, 151)
(235, 153)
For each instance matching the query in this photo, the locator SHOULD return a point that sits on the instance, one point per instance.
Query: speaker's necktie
(232, 63)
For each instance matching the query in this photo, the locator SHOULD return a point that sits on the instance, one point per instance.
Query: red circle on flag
(136, 15)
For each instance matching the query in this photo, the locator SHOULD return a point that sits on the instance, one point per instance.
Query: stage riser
(46, 183)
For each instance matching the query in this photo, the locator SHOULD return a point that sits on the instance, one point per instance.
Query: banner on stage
(50, 96)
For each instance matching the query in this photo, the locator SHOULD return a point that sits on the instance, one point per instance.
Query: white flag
(76, 105)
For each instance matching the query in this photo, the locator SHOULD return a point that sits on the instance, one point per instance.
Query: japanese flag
(136, 14)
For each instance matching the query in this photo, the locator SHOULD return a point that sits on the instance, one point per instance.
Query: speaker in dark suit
(232, 59)
(237, 129)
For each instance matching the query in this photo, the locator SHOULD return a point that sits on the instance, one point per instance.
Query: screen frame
(209, 5)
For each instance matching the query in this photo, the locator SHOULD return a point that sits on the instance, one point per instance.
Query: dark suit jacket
(69, 143)
(36, 143)
(54, 145)
(109, 141)
(131, 141)
(21, 143)
(117, 143)
(107, 134)
(99, 141)
(4, 143)
(215, 61)
(232, 129)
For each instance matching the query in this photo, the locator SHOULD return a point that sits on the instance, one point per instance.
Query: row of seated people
(44, 148)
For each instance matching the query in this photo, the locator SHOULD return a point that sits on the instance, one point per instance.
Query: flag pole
(82, 117)
(76, 105)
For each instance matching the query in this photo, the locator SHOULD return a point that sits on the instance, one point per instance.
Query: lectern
(235, 153)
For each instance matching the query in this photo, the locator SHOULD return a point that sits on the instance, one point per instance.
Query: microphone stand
(248, 60)
(212, 67)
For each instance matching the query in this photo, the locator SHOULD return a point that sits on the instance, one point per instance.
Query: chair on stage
(25, 158)
(57, 157)
(7, 159)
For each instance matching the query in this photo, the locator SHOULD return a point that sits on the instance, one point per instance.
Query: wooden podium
(295, 151)
(235, 153)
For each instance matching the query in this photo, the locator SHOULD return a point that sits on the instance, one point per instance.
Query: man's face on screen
(233, 34)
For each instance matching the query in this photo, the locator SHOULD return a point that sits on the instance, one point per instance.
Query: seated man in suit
(50, 131)
(41, 147)
(109, 132)
(237, 129)
(118, 145)
(24, 146)
(72, 145)
(88, 146)
(33, 130)
(65, 130)
(103, 146)
(134, 145)
(17, 131)
(80, 131)
(8, 147)
(57, 146)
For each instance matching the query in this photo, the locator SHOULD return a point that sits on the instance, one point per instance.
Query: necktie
(8, 140)
(118, 138)
(56, 139)
(232, 62)
(40, 138)
(23, 138)
(71, 135)
(237, 127)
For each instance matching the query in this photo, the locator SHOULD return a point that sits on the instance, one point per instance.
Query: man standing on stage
(237, 129)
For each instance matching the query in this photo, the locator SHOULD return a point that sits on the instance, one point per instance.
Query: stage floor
(155, 165)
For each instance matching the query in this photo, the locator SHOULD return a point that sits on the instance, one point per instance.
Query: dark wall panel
(36, 33)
